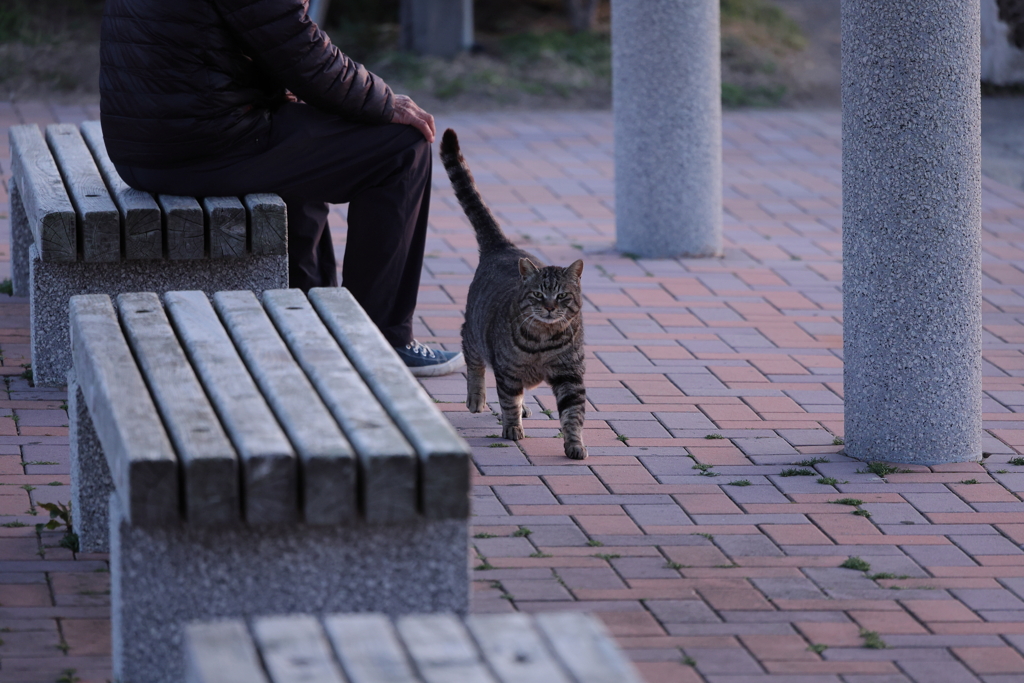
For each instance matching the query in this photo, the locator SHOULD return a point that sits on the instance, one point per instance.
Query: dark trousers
(312, 159)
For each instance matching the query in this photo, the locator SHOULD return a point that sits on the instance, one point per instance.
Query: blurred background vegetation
(527, 54)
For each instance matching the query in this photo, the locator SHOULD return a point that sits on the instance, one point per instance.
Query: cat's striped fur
(523, 320)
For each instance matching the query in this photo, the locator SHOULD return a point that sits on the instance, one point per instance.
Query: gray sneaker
(423, 361)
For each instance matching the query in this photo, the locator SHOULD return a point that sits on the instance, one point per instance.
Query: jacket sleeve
(302, 58)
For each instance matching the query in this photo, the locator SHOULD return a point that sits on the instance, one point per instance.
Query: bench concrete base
(52, 284)
(21, 240)
(163, 578)
(91, 484)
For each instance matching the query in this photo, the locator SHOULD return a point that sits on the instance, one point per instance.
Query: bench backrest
(293, 408)
(566, 647)
(79, 208)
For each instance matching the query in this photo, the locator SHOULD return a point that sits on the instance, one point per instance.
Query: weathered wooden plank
(209, 464)
(368, 649)
(48, 208)
(327, 460)
(514, 650)
(443, 455)
(226, 226)
(221, 652)
(388, 465)
(142, 462)
(585, 648)
(295, 649)
(140, 214)
(269, 465)
(268, 224)
(99, 224)
(184, 232)
(442, 649)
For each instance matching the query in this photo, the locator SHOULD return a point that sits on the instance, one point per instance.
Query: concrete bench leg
(21, 240)
(91, 484)
(162, 578)
(53, 284)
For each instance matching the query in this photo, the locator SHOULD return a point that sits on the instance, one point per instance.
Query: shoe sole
(452, 365)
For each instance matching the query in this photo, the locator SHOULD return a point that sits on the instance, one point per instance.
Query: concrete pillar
(912, 230)
(667, 100)
(442, 28)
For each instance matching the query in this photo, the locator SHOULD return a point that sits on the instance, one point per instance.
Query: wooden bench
(253, 458)
(77, 228)
(566, 647)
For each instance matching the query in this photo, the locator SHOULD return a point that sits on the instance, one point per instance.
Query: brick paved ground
(703, 557)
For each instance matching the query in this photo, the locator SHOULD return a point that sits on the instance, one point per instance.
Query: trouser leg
(311, 261)
(382, 265)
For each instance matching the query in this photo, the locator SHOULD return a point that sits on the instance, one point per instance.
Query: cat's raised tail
(488, 233)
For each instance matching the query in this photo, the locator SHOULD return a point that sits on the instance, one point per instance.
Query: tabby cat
(522, 319)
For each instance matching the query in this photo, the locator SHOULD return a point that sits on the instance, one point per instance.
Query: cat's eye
(536, 296)
(563, 296)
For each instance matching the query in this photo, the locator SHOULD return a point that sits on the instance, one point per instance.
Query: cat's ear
(527, 267)
(576, 268)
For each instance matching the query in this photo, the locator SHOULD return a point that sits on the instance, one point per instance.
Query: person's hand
(409, 113)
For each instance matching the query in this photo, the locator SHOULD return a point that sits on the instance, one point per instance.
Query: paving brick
(724, 661)
(887, 622)
(796, 534)
(946, 671)
(789, 588)
(658, 515)
(991, 660)
(986, 545)
(701, 503)
(682, 611)
(831, 634)
(535, 589)
(747, 545)
(982, 598)
(937, 502)
(566, 485)
(939, 556)
(524, 495)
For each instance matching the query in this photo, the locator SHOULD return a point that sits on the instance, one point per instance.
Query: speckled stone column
(667, 94)
(912, 230)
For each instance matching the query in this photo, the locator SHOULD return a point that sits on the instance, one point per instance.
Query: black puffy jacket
(183, 80)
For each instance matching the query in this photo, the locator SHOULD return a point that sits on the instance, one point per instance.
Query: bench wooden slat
(269, 464)
(442, 649)
(226, 224)
(388, 463)
(140, 214)
(142, 462)
(369, 649)
(268, 224)
(514, 649)
(184, 227)
(50, 213)
(585, 648)
(221, 652)
(294, 648)
(99, 223)
(209, 464)
(328, 463)
(444, 456)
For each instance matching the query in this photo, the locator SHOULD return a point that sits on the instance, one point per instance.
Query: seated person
(196, 99)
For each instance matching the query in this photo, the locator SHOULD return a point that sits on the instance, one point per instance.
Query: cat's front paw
(576, 451)
(514, 432)
(476, 404)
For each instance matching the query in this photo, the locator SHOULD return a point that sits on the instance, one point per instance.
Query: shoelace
(420, 349)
